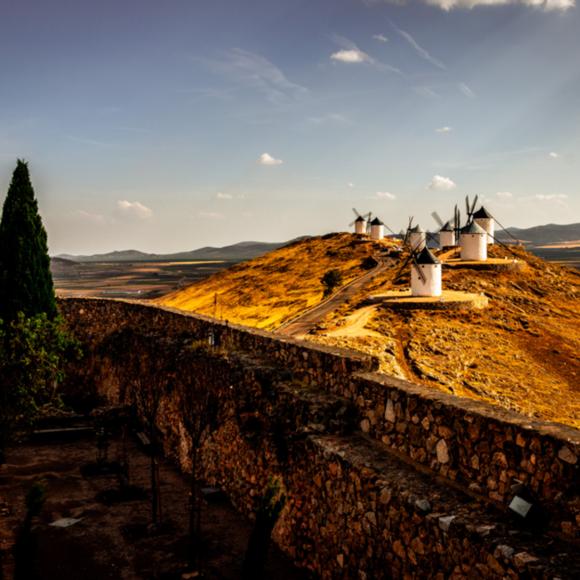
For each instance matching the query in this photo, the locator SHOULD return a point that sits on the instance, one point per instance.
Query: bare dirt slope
(522, 352)
(266, 291)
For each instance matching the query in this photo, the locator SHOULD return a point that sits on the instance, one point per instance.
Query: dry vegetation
(521, 353)
(266, 291)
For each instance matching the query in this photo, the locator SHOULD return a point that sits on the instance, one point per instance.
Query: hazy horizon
(167, 127)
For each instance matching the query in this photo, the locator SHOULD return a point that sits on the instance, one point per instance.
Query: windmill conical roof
(377, 222)
(446, 227)
(482, 213)
(359, 219)
(427, 257)
(473, 228)
(417, 230)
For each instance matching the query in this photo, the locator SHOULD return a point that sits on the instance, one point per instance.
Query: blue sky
(168, 126)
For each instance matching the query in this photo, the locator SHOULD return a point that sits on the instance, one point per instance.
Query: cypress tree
(25, 279)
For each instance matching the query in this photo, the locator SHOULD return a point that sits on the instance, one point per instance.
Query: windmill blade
(404, 265)
(351, 224)
(410, 222)
(437, 218)
(355, 211)
(418, 268)
(367, 216)
(474, 204)
(467, 206)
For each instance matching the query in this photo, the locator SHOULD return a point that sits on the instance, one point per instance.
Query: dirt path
(355, 324)
(308, 320)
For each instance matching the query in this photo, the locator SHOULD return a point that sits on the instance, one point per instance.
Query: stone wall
(375, 469)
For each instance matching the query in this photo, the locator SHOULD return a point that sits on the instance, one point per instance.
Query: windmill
(484, 219)
(449, 230)
(416, 236)
(425, 272)
(360, 222)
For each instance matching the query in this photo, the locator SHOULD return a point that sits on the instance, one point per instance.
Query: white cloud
(386, 195)
(553, 155)
(440, 183)
(134, 209)
(547, 5)
(444, 129)
(380, 38)
(267, 159)
(221, 195)
(211, 215)
(466, 90)
(551, 196)
(351, 56)
(422, 52)
(350, 184)
(504, 194)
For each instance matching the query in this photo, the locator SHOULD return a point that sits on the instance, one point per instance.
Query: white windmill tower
(426, 274)
(448, 230)
(377, 229)
(473, 243)
(360, 223)
(416, 236)
(484, 219)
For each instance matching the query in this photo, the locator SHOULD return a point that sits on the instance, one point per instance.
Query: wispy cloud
(222, 195)
(134, 209)
(330, 119)
(350, 53)
(440, 183)
(553, 155)
(444, 130)
(211, 215)
(267, 159)
(504, 194)
(463, 88)
(547, 5)
(386, 195)
(422, 52)
(380, 38)
(257, 72)
(94, 218)
(551, 196)
(427, 92)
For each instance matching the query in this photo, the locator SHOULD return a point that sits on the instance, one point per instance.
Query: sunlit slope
(522, 352)
(266, 291)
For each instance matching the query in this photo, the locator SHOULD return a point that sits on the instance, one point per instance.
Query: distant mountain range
(542, 235)
(536, 236)
(235, 252)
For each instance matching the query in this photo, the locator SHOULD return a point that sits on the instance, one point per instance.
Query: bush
(331, 280)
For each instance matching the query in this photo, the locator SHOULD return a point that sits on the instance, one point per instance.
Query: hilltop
(520, 353)
(266, 291)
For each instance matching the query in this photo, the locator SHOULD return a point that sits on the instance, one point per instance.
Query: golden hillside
(521, 353)
(266, 291)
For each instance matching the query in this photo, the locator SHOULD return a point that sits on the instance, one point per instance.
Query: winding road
(308, 320)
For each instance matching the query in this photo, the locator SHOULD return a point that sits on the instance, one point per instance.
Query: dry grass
(266, 291)
(521, 353)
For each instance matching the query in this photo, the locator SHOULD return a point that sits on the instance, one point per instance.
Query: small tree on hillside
(331, 280)
(25, 278)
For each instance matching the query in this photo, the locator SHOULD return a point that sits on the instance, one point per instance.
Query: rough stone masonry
(384, 478)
